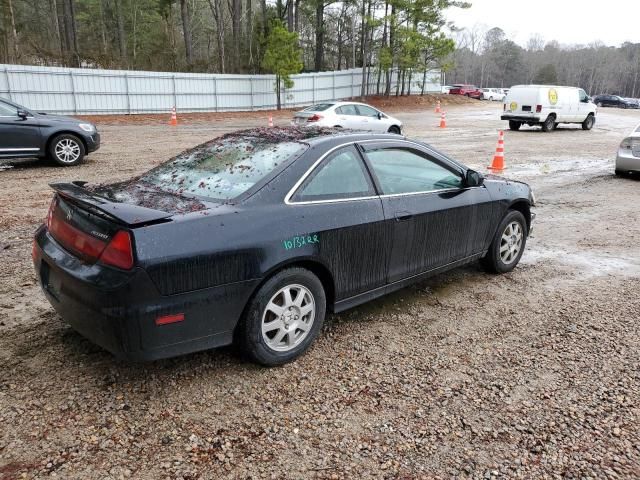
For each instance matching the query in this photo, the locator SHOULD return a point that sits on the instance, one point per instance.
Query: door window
(341, 176)
(367, 111)
(583, 96)
(402, 170)
(7, 110)
(347, 110)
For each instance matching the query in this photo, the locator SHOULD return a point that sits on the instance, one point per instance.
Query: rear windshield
(320, 107)
(222, 169)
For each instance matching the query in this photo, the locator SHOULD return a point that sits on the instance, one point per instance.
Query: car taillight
(119, 252)
(314, 118)
(538, 108)
(75, 240)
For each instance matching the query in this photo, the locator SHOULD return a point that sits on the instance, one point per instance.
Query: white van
(548, 106)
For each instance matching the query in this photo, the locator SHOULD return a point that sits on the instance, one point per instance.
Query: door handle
(403, 216)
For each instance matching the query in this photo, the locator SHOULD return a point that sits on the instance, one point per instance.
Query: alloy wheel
(511, 243)
(288, 318)
(67, 150)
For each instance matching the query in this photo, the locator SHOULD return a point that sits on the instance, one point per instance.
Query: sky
(568, 21)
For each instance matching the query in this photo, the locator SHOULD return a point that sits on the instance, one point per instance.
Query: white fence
(91, 91)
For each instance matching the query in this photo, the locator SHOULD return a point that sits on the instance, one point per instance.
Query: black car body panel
(206, 263)
(29, 135)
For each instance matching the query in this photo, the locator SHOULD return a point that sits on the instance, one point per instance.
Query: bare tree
(186, 29)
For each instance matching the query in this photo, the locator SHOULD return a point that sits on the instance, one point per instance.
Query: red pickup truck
(466, 90)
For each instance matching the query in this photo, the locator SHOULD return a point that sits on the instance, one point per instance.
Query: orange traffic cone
(443, 120)
(498, 159)
(270, 120)
(438, 110)
(174, 118)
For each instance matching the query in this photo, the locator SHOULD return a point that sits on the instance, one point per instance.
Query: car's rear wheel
(623, 105)
(394, 129)
(588, 122)
(549, 124)
(508, 244)
(513, 125)
(599, 104)
(66, 150)
(284, 317)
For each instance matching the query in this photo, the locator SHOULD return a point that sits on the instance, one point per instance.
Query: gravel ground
(532, 374)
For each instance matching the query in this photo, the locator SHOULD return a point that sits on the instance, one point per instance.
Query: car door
(584, 107)
(434, 218)
(19, 136)
(372, 118)
(348, 116)
(339, 197)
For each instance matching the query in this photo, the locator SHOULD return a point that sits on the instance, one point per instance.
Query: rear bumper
(118, 310)
(626, 161)
(521, 118)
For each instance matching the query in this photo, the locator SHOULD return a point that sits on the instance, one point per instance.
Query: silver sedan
(352, 115)
(628, 158)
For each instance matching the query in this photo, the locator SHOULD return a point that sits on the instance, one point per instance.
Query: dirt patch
(533, 374)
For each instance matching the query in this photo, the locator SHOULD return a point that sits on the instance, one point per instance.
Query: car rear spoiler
(127, 214)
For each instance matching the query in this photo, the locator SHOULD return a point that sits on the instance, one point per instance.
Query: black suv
(613, 101)
(24, 133)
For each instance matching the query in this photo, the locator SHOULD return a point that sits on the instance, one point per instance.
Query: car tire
(507, 245)
(549, 124)
(598, 104)
(588, 122)
(513, 125)
(621, 173)
(395, 130)
(66, 150)
(623, 106)
(284, 338)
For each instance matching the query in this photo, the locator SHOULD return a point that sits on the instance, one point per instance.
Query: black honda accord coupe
(254, 236)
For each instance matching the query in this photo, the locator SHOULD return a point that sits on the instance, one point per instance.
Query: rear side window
(347, 110)
(7, 110)
(400, 170)
(319, 107)
(342, 175)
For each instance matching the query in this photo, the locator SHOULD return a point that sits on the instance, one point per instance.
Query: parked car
(352, 115)
(25, 134)
(467, 90)
(548, 106)
(445, 89)
(255, 236)
(493, 94)
(632, 102)
(613, 101)
(628, 158)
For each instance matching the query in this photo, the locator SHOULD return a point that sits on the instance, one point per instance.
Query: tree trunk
(236, 15)
(365, 45)
(122, 38)
(278, 88)
(265, 21)
(296, 18)
(392, 38)
(53, 11)
(290, 15)
(14, 49)
(383, 45)
(249, 32)
(319, 35)
(217, 12)
(186, 30)
(70, 31)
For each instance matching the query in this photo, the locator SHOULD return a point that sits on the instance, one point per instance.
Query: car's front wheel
(66, 150)
(394, 129)
(284, 317)
(508, 244)
(513, 125)
(588, 122)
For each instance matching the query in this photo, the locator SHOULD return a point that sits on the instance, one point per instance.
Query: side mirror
(23, 114)
(473, 179)
(379, 116)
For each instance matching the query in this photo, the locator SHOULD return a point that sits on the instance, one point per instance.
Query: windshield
(222, 169)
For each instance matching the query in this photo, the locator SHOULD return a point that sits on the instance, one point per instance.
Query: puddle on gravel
(568, 167)
(5, 167)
